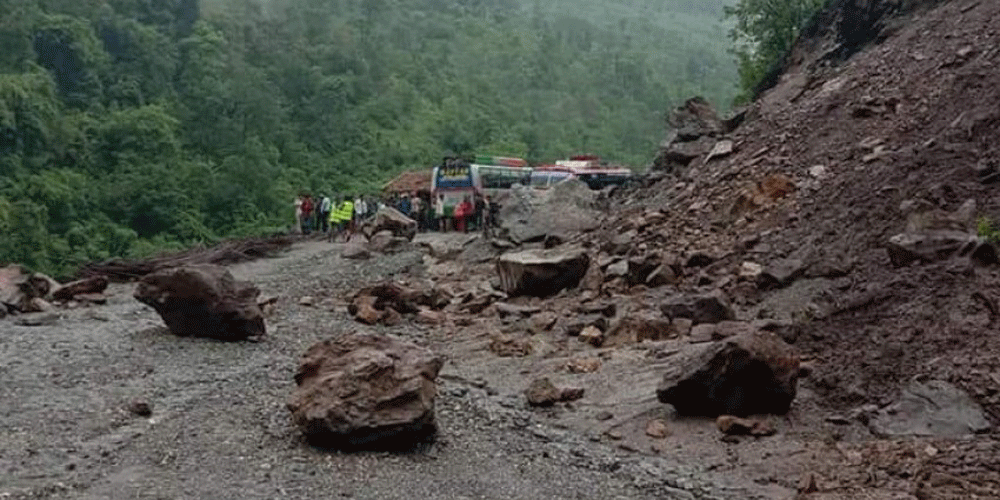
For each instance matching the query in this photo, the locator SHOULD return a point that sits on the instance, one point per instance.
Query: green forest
(129, 127)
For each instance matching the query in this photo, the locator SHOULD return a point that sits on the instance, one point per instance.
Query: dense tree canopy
(128, 126)
(764, 33)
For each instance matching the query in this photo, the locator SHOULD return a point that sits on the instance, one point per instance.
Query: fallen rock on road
(752, 373)
(366, 391)
(203, 301)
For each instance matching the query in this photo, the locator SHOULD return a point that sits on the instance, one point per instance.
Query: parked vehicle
(589, 169)
(491, 176)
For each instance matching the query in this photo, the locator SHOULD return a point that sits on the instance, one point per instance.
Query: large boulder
(361, 391)
(929, 246)
(203, 301)
(542, 273)
(568, 208)
(391, 220)
(935, 408)
(749, 374)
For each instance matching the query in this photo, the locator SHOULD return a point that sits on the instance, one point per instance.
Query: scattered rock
(96, 284)
(541, 272)
(709, 332)
(92, 298)
(306, 301)
(542, 392)
(637, 327)
(508, 309)
(429, 317)
(392, 221)
(750, 271)
(710, 308)
(736, 426)
(657, 429)
(583, 365)
(366, 391)
(508, 346)
(203, 301)
(781, 273)
(721, 149)
(386, 242)
(140, 409)
(750, 374)
(353, 251)
(808, 483)
(935, 408)
(592, 335)
(929, 246)
(617, 270)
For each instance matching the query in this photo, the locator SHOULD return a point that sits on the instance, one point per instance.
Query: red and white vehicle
(589, 169)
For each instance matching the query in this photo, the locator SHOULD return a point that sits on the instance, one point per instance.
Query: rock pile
(388, 303)
(21, 292)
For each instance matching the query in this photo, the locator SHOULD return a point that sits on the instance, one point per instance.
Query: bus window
(540, 179)
(503, 177)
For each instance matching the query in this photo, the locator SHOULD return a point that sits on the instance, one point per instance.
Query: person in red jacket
(462, 213)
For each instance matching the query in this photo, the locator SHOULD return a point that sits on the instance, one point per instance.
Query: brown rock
(736, 426)
(204, 301)
(543, 322)
(391, 221)
(808, 483)
(657, 429)
(583, 365)
(567, 394)
(429, 317)
(637, 327)
(93, 298)
(96, 284)
(752, 373)
(542, 272)
(709, 308)
(542, 392)
(681, 327)
(507, 309)
(365, 391)
(708, 332)
(363, 309)
(507, 346)
(592, 335)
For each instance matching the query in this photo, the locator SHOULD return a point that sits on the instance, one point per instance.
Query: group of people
(332, 216)
(340, 215)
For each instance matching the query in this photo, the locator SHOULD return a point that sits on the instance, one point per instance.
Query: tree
(764, 33)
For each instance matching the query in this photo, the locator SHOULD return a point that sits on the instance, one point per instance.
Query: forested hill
(128, 126)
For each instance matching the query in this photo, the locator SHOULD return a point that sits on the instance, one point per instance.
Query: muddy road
(219, 427)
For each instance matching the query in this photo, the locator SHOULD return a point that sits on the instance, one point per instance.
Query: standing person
(346, 216)
(334, 218)
(404, 205)
(439, 213)
(323, 216)
(298, 214)
(416, 210)
(360, 210)
(477, 217)
(307, 214)
(485, 221)
(462, 214)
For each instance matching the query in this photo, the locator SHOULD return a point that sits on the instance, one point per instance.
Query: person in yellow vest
(341, 217)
